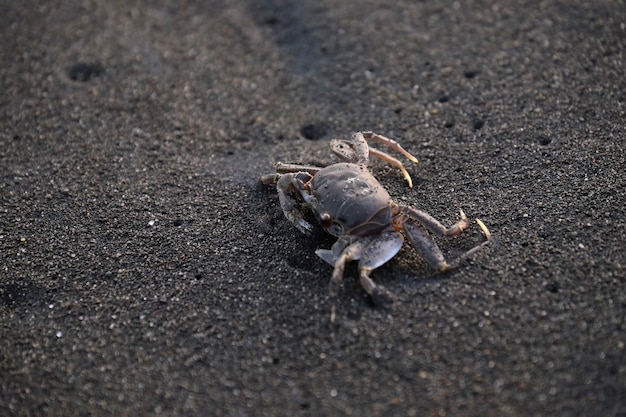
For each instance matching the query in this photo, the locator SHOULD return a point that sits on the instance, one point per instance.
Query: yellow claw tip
(484, 229)
(407, 177)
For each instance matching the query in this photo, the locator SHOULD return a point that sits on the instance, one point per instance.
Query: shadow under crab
(350, 203)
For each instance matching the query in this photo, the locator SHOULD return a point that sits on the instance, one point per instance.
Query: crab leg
(350, 253)
(371, 254)
(357, 151)
(388, 142)
(283, 168)
(434, 225)
(393, 162)
(426, 246)
(380, 250)
(424, 243)
(270, 179)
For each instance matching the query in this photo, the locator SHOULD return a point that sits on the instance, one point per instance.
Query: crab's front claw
(380, 250)
(327, 255)
(295, 216)
(303, 226)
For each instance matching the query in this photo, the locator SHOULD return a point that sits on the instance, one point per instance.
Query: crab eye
(325, 219)
(331, 226)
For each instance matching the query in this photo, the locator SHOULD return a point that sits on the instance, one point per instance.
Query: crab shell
(363, 208)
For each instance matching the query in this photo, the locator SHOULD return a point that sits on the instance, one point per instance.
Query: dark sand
(144, 271)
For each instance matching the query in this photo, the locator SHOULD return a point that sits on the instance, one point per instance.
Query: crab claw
(303, 226)
(327, 255)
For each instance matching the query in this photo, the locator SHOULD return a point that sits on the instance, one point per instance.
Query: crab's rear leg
(383, 156)
(424, 243)
(357, 151)
(388, 142)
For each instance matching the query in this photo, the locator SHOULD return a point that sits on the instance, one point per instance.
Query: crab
(350, 204)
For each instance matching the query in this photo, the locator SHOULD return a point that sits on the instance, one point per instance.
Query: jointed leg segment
(357, 151)
(350, 253)
(425, 244)
(388, 142)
